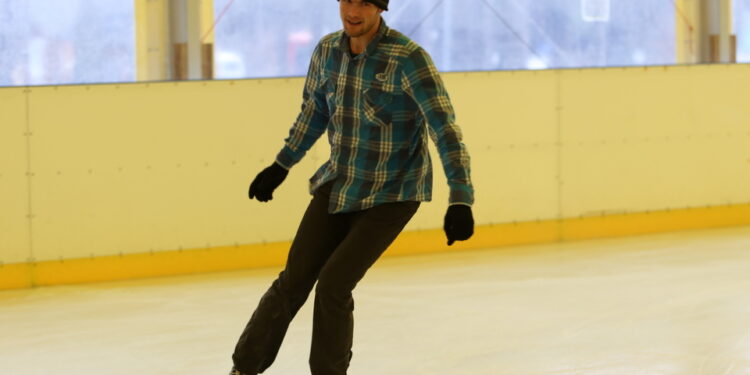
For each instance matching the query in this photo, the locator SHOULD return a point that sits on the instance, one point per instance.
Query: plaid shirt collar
(371, 47)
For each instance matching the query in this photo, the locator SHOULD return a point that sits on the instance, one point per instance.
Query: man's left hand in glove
(458, 223)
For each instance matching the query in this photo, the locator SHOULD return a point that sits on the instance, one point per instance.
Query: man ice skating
(379, 97)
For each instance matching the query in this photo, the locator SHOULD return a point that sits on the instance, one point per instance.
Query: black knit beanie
(382, 4)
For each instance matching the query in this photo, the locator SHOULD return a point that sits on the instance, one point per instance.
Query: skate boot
(238, 372)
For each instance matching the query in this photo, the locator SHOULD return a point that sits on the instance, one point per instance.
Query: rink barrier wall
(273, 255)
(110, 181)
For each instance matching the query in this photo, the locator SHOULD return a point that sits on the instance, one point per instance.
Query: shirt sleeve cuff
(284, 159)
(461, 195)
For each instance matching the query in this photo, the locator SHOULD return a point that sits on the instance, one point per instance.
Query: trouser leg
(372, 231)
(318, 234)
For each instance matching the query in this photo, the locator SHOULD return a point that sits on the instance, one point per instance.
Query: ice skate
(238, 372)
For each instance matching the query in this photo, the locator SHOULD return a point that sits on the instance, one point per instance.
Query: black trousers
(336, 250)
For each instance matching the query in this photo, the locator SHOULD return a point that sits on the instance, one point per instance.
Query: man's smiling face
(359, 17)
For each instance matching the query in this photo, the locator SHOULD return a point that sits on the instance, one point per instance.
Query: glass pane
(742, 29)
(517, 34)
(66, 41)
(272, 38)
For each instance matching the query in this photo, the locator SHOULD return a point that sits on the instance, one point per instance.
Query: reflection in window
(272, 38)
(742, 29)
(66, 41)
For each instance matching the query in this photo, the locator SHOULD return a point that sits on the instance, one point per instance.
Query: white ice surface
(663, 304)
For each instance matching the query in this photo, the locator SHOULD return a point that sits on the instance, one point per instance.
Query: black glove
(458, 224)
(266, 182)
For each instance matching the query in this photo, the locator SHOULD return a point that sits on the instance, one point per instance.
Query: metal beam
(153, 57)
(168, 39)
(704, 31)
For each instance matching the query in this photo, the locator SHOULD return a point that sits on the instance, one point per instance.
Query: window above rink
(45, 42)
(276, 38)
(77, 41)
(741, 13)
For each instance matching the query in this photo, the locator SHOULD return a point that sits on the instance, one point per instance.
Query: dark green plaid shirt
(378, 108)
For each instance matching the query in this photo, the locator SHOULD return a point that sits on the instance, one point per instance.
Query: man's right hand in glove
(266, 182)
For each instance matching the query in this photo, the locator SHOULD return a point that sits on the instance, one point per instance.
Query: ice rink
(663, 304)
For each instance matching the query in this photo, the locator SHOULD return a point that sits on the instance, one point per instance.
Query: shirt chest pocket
(377, 105)
(330, 91)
